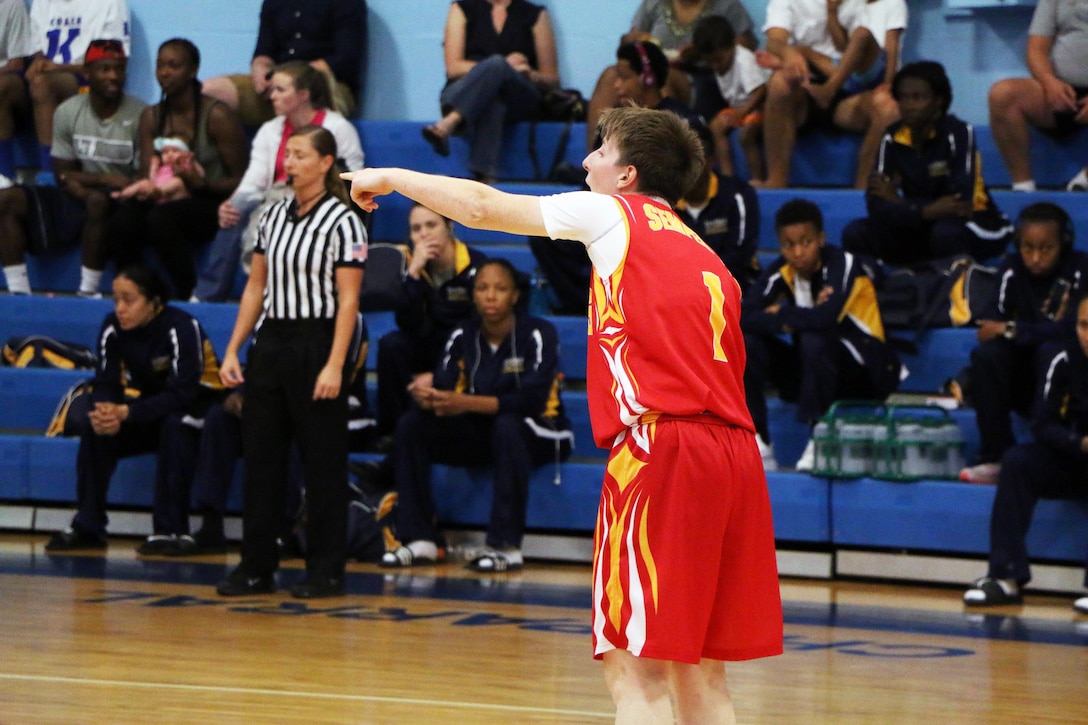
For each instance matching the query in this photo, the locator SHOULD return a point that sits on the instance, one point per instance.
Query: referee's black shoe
(241, 583)
(318, 587)
(72, 540)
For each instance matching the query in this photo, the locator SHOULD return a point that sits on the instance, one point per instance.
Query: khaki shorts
(254, 109)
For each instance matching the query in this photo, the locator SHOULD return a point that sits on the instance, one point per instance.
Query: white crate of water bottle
(922, 442)
(846, 438)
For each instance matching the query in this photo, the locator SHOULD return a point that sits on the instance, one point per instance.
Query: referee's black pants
(279, 407)
(1028, 473)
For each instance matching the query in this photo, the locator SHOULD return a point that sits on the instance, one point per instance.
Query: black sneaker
(989, 592)
(209, 541)
(72, 540)
(319, 587)
(158, 545)
(240, 584)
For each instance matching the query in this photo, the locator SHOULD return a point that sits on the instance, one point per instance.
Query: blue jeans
(489, 96)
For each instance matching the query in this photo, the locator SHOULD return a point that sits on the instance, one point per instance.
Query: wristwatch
(1010, 330)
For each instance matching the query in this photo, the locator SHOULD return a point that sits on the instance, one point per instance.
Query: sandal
(489, 561)
(439, 142)
(403, 558)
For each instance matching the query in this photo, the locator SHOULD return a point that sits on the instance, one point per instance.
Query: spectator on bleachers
(95, 153)
(724, 211)
(669, 24)
(1035, 305)
(329, 35)
(493, 399)
(729, 92)
(500, 55)
(1053, 99)
(800, 39)
(820, 296)
(300, 97)
(170, 152)
(220, 152)
(437, 297)
(16, 46)
(641, 72)
(870, 51)
(163, 354)
(221, 447)
(60, 34)
(926, 198)
(296, 378)
(1053, 465)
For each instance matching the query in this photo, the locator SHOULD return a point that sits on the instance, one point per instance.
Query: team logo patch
(513, 365)
(717, 226)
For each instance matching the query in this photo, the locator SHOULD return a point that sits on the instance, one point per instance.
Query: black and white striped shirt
(303, 254)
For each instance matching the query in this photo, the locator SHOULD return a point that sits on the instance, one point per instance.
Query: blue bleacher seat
(400, 143)
(31, 395)
(948, 517)
(838, 206)
(1054, 161)
(14, 467)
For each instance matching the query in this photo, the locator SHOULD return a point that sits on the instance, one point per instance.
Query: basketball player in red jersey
(684, 574)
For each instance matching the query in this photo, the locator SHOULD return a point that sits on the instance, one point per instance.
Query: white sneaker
(5, 182)
(807, 461)
(982, 473)
(1081, 605)
(766, 452)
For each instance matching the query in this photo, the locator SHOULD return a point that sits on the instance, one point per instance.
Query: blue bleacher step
(947, 516)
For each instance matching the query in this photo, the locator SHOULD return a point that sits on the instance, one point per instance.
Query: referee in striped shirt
(305, 278)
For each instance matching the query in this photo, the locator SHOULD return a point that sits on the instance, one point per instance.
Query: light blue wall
(405, 70)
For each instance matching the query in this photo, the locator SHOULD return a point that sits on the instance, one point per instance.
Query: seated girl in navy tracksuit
(820, 296)
(493, 399)
(1053, 465)
(163, 353)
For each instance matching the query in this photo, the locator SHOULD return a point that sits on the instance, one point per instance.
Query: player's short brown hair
(662, 146)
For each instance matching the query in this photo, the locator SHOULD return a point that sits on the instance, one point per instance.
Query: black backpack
(371, 516)
(39, 351)
(942, 293)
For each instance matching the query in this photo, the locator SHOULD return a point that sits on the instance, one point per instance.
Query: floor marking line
(290, 693)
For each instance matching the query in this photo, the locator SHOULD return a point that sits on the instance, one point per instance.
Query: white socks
(89, 281)
(1028, 185)
(18, 280)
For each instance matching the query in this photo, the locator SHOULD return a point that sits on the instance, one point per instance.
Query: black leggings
(172, 229)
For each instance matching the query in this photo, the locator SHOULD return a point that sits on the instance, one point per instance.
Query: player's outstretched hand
(366, 185)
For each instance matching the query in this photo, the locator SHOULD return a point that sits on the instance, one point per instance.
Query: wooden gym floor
(111, 638)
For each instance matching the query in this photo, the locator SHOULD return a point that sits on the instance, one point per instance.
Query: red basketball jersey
(664, 328)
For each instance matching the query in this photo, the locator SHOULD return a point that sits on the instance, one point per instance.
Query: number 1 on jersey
(717, 313)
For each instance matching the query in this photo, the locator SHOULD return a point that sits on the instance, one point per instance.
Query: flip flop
(440, 143)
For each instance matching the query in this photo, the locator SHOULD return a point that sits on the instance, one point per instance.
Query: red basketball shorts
(684, 566)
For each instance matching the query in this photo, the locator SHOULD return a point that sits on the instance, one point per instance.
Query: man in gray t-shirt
(94, 155)
(1054, 98)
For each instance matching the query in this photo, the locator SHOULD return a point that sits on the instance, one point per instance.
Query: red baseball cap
(102, 49)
